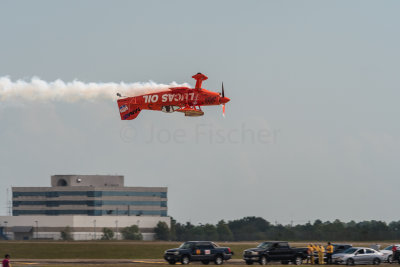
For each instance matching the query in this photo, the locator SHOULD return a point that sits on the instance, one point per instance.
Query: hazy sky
(312, 129)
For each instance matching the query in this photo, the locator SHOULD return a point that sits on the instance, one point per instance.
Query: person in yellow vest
(321, 252)
(316, 251)
(329, 252)
(310, 251)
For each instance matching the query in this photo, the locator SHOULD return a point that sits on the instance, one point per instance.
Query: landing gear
(194, 111)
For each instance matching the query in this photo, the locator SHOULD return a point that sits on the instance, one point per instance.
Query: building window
(94, 193)
(51, 194)
(52, 204)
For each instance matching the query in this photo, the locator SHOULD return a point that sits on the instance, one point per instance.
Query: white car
(358, 255)
(387, 252)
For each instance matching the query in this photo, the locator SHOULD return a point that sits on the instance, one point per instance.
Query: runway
(150, 262)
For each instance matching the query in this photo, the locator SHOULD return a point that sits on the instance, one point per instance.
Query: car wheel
(205, 262)
(263, 260)
(172, 262)
(249, 262)
(185, 260)
(218, 260)
(298, 261)
(376, 261)
(389, 259)
(350, 262)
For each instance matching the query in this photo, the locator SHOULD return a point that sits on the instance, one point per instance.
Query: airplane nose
(224, 100)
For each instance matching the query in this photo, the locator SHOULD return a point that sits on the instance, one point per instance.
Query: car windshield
(388, 248)
(186, 245)
(350, 251)
(265, 245)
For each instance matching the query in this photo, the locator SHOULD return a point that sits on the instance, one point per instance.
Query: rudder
(127, 110)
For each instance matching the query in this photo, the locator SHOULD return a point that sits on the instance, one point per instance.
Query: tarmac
(151, 262)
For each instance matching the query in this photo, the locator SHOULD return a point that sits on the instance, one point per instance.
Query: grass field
(111, 250)
(96, 250)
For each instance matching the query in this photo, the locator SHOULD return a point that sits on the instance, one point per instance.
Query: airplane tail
(127, 109)
(199, 77)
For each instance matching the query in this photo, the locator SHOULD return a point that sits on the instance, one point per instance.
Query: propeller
(223, 100)
(223, 95)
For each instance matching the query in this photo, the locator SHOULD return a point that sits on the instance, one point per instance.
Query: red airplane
(181, 99)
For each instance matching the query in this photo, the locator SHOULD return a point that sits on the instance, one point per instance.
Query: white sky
(315, 81)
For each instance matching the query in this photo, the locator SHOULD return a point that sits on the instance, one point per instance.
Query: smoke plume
(40, 90)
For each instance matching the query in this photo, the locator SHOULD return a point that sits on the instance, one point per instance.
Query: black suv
(204, 251)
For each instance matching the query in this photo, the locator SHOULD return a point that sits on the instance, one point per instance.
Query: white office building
(85, 204)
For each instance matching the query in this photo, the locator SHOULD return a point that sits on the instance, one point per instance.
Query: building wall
(87, 204)
(23, 236)
(94, 201)
(82, 227)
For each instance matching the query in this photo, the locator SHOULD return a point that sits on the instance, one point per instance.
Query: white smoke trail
(40, 90)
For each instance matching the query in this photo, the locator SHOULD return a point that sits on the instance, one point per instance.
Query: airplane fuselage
(181, 99)
(190, 97)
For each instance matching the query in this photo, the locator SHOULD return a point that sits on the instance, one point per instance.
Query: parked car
(387, 252)
(274, 251)
(204, 251)
(337, 248)
(358, 255)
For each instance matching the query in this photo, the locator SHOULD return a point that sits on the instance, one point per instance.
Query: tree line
(257, 228)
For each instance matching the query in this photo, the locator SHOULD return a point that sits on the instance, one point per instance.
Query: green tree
(108, 234)
(224, 232)
(182, 231)
(131, 233)
(162, 231)
(196, 233)
(249, 228)
(66, 234)
(210, 232)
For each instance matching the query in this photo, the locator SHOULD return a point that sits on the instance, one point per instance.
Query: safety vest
(310, 249)
(321, 249)
(316, 248)
(329, 249)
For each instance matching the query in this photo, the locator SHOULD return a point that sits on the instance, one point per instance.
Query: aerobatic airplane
(180, 99)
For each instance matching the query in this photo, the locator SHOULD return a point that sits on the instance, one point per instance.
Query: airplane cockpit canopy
(169, 109)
